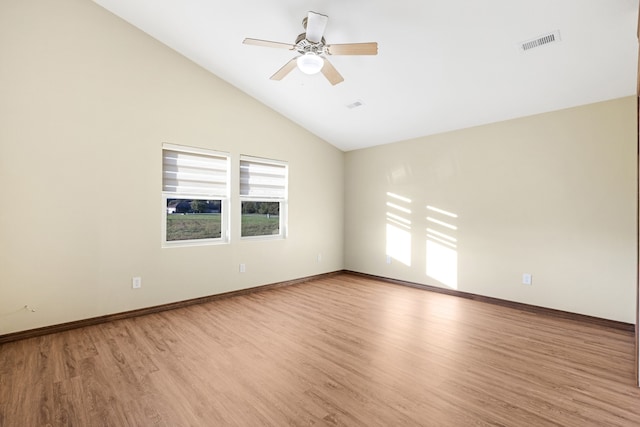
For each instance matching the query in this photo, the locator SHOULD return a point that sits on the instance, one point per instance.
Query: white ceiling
(442, 64)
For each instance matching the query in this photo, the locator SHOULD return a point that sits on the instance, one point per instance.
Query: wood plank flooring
(343, 350)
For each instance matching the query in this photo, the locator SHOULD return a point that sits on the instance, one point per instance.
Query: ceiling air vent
(545, 39)
(355, 105)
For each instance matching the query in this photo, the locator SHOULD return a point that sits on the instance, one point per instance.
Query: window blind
(262, 179)
(194, 173)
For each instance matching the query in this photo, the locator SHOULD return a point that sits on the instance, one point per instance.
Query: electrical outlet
(136, 282)
(319, 258)
(243, 268)
(526, 278)
(388, 259)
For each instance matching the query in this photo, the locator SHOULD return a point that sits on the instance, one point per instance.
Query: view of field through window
(260, 218)
(196, 219)
(193, 219)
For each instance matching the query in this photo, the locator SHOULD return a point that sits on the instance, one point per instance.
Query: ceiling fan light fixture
(310, 63)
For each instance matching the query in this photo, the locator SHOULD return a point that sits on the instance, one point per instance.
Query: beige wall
(86, 102)
(553, 195)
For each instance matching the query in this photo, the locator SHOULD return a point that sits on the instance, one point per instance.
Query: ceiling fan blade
(316, 24)
(352, 49)
(331, 73)
(286, 69)
(267, 43)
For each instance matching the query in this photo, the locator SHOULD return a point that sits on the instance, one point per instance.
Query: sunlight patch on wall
(399, 228)
(442, 247)
(441, 211)
(399, 197)
(399, 244)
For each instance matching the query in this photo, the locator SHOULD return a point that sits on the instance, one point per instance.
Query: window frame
(283, 199)
(223, 197)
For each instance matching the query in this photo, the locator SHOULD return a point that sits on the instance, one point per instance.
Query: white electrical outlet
(243, 268)
(388, 259)
(526, 278)
(136, 282)
(319, 258)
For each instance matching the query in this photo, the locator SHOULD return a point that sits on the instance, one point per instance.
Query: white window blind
(263, 179)
(195, 173)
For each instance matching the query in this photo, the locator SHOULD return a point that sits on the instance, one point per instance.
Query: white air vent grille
(545, 39)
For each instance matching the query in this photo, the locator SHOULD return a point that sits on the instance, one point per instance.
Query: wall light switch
(526, 278)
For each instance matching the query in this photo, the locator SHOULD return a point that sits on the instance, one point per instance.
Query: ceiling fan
(312, 49)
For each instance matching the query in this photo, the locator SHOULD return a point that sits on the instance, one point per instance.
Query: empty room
(414, 213)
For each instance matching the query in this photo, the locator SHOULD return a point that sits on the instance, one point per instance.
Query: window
(263, 197)
(195, 193)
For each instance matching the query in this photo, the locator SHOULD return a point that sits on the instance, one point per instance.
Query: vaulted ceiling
(442, 64)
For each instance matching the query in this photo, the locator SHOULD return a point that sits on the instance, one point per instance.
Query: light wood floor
(344, 350)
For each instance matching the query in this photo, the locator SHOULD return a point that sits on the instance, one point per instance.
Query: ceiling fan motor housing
(304, 46)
